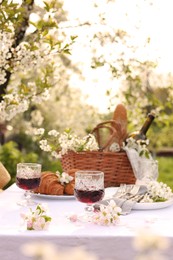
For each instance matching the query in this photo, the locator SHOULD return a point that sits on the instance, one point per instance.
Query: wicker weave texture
(116, 166)
(4, 176)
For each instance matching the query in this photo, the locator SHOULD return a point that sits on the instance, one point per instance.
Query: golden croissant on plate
(50, 184)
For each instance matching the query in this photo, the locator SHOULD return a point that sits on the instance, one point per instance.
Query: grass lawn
(166, 170)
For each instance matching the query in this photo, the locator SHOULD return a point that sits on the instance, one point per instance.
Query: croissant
(50, 184)
(69, 188)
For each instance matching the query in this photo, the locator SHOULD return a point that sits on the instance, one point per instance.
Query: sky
(138, 19)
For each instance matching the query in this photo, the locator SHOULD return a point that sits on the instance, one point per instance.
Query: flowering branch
(106, 215)
(59, 144)
(23, 53)
(157, 192)
(140, 146)
(38, 219)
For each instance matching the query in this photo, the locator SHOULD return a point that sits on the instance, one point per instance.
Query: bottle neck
(147, 124)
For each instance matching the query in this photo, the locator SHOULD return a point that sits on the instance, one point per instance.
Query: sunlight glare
(140, 19)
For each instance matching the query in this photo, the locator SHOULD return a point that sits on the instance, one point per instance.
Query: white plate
(141, 206)
(154, 205)
(53, 197)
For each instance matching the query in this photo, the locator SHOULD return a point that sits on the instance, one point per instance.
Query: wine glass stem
(89, 212)
(89, 208)
(27, 196)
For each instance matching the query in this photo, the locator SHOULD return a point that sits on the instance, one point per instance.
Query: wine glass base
(26, 203)
(89, 209)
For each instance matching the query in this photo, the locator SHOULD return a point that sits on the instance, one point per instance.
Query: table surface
(107, 242)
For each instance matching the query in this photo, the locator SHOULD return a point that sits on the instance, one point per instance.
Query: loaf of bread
(120, 123)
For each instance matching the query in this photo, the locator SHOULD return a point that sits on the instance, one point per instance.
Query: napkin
(126, 201)
(144, 169)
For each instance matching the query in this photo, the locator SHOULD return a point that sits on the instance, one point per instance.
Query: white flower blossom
(53, 133)
(64, 177)
(55, 155)
(158, 191)
(45, 146)
(60, 144)
(108, 214)
(39, 131)
(140, 146)
(38, 219)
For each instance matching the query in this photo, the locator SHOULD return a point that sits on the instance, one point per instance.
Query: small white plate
(53, 197)
(109, 192)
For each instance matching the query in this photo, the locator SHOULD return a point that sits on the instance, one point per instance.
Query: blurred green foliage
(10, 156)
(166, 170)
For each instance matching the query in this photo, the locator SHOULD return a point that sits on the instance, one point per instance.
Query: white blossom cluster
(59, 144)
(6, 41)
(64, 177)
(157, 192)
(108, 214)
(12, 58)
(12, 105)
(139, 146)
(15, 103)
(38, 219)
(25, 58)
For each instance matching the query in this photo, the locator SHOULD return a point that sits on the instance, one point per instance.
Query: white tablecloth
(113, 242)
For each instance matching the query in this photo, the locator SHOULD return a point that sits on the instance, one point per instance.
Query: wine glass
(28, 178)
(89, 188)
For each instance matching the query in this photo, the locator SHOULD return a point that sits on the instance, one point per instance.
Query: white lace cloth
(144, 169)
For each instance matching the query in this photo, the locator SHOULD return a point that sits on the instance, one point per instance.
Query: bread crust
(50, 184)
(120, 124)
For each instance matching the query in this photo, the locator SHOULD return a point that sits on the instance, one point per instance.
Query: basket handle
(113, 133)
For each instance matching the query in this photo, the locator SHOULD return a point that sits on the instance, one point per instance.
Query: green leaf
(46, 7)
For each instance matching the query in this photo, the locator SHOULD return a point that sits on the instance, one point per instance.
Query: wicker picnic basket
(115, 165)
(4, 176)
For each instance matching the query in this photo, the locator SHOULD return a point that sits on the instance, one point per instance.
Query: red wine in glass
(89, 189)
(28, 178)
(89, 196)
(27, 184)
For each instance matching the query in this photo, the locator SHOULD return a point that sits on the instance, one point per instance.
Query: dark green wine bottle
(141, 134)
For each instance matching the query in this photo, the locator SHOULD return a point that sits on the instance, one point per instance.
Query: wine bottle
(141, 134)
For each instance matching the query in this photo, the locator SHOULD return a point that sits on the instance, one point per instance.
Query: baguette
(120, 124)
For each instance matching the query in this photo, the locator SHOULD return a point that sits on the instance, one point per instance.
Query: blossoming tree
(27, 50)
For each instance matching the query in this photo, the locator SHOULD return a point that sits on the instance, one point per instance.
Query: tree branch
(27, 7)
